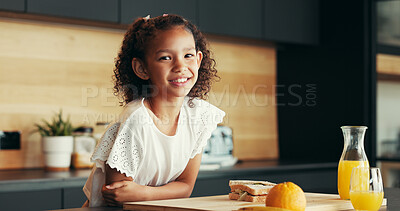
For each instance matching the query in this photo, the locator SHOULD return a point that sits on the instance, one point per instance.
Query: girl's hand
(118, 192)
(122, 188)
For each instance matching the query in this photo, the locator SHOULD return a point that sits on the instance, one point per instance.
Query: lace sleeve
(120, 149)
(209, 120)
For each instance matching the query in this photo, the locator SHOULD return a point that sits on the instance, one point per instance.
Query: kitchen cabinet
(31, 200)
(291, 21)
(60, 198)
(285, 21)
(311, 181)
(36, 189)
(231, 17)
(73, 197)
(288, 21)
(318, 178)
(132, 9)
(97, 10)
(12, 5)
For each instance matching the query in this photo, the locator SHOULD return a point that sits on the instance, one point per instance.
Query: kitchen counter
(391, 194)
(56, 190)
(38, 179)
(270, 166)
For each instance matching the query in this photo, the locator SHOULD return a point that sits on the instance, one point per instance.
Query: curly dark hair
(128, 86)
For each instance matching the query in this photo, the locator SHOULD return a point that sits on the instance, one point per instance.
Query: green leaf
(57, 127)
(46, 133)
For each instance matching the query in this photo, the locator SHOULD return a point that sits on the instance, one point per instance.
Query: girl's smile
(179, 81)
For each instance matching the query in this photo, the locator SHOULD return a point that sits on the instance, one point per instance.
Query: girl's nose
(179, 66)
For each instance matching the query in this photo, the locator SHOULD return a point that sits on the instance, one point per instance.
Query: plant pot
(57, 152)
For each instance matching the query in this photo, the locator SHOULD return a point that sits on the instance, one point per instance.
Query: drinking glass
(366, 188)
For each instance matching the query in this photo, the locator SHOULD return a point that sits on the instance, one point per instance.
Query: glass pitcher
(353, 155)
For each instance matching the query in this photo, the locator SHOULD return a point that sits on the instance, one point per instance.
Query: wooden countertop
(315, 202)
(392, 195)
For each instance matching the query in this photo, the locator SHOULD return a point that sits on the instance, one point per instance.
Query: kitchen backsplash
(45, 67)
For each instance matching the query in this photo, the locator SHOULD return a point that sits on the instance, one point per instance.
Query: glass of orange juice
(366, 188)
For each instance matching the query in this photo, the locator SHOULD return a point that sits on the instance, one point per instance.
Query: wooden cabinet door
(98, 10)
(291, 21)
(231, 17)
(132, 9)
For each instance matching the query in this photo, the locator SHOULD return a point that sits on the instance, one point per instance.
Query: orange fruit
(257, 208)
(286, 195)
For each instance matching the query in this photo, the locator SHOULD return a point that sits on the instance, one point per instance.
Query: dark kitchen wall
(333, 84)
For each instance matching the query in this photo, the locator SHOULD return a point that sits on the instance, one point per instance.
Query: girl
(153, 152)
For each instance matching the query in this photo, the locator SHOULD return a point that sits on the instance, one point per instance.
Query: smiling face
(171, 63)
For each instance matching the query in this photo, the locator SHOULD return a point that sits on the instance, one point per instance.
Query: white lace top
(134, 146)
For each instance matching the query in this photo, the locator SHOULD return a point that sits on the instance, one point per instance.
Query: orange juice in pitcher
(344, 174)
(353, 156)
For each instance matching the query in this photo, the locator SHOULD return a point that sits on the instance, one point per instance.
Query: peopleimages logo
(264, 95)
(299, 95)
(227, 96)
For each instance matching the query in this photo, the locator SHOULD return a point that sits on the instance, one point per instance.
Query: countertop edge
(77, 178)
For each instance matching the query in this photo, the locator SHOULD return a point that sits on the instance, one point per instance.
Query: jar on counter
(84, 144)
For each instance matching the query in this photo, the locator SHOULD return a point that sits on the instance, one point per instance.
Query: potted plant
(57, 142)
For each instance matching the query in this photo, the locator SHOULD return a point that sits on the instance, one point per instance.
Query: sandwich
(249, 190)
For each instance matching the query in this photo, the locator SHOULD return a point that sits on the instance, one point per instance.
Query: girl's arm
(109, 189)
(113, 175)
(121, 189)
(86, 204)
(182, 187)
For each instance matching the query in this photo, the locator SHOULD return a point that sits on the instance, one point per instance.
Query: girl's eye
(189, 55)
(165, 58)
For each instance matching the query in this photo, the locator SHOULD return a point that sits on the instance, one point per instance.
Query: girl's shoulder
(131, 110)
(202, 110)
(199, 105)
